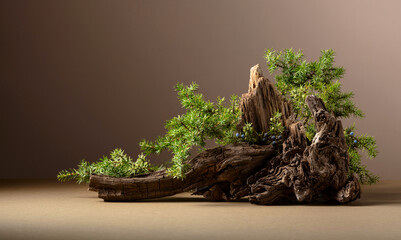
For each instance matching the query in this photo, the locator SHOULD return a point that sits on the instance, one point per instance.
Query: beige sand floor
(45, 209)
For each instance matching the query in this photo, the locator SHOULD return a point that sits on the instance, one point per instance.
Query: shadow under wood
(178, 198)
(377, 199)
(164, 199)
(368, 199)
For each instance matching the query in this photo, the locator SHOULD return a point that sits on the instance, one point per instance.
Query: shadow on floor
(373, 196)
(377, 199)
(385, 193)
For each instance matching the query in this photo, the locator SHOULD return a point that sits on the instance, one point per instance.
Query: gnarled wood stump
(294, 172)
(306, 173)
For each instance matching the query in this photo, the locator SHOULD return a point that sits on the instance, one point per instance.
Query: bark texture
(292, 171)
(154, 185)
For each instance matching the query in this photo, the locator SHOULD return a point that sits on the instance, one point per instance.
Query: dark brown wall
(79, 78)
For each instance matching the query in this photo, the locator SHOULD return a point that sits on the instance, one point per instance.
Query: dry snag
(266, 174)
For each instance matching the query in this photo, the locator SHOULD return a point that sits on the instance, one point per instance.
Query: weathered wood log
(216, 173)
(321, 172)
(261, 102)
(297, 171)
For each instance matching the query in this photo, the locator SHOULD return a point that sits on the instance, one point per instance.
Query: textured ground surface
(45, 209)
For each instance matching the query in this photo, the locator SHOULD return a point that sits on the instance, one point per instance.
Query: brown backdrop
(79, 78)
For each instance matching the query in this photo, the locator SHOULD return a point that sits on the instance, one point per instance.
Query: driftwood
(296, 171)
(216, 173)
(307, 173)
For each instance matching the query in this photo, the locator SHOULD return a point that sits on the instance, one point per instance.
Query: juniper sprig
(117, 165)
(202, 120)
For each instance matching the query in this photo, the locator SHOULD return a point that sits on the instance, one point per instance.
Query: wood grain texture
(261, 102)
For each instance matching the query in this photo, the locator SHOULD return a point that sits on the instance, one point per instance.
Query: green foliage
(273, 136)
(202, 120)
(81, 174)
(117, 165)
(299, 78)
(310, 131)
(363, 143)
(250, 135)
(141, 165)
(276, 125)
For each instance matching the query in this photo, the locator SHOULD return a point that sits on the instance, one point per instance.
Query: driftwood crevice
(294, 171)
